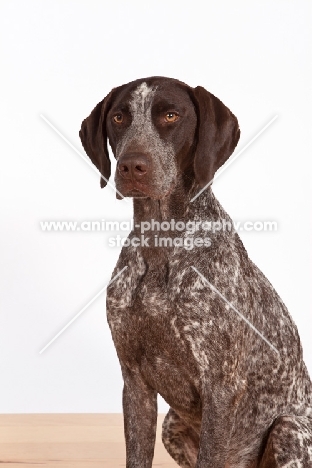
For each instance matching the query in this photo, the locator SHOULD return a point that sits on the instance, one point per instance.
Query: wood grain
(69, 441)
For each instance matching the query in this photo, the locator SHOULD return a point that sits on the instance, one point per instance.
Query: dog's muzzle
(133, 170)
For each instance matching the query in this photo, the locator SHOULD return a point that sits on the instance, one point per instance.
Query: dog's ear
(94, 137)
(217, 135)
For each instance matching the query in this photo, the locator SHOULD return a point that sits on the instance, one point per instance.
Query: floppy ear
(94, 138)
(217, 135)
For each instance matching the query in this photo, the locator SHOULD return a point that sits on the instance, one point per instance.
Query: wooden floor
(68, 441)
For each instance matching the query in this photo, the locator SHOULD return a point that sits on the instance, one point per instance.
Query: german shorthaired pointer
(192, 317)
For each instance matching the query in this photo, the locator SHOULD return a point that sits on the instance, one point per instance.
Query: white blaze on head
(143, 133)
(141, 128)
(141, 104)
(142, 96)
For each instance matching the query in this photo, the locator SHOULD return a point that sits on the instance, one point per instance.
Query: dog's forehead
(136, 96)
(142, 97)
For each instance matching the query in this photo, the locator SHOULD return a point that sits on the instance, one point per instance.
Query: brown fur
(234, 402)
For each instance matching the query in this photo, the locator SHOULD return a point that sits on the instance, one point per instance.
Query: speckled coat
(238, 389)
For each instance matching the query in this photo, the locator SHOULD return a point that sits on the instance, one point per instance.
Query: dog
(192, 318)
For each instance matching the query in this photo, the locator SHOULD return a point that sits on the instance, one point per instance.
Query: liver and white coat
(227, 360)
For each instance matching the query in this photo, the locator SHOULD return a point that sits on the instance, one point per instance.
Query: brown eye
(171, 117)
(118, 118)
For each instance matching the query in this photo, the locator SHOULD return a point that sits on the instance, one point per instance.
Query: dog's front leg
(218, 415)
(140, 419)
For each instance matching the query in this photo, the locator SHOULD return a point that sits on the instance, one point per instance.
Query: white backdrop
(59, 59)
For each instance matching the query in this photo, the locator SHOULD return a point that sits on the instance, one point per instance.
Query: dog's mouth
(132, 189)
(138, 190)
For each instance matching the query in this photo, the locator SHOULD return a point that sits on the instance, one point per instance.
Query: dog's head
(159, 129)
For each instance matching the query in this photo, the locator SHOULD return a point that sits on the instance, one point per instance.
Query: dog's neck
(178, 205)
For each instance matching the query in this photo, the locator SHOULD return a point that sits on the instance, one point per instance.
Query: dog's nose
(133, 166)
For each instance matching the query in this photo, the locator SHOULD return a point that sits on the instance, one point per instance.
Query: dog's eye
(118, 118)
(171, 116)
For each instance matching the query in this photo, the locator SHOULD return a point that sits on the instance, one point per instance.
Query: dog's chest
(144, 321)
(149, 334)
(150, 302)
